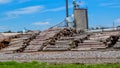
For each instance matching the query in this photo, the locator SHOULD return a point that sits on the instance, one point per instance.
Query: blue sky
(42, 14)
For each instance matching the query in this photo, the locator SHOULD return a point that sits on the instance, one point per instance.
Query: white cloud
(5, 1)
(3, 28)
(54, 10)
(117, 6)
(49, 19)
(57, 9)
(117, 20)
(107, 4)
(23, 1)
(40, 23)
(7, 18)
(113, 4)
(26, 10)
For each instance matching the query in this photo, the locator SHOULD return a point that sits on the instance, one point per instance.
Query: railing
(61, 24)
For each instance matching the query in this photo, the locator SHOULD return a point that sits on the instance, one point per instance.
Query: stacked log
(117, 45)
(95, 41)
(42, 40)
(19, 43)
(48, 38)
(62, 44)
(4, 41)
(26, 42)
(108, 38)
(111, 41)
(58, 39)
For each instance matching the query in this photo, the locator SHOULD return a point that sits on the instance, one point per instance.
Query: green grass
(35, 64)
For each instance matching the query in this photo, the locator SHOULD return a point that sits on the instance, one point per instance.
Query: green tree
(9, 31)
(19, 32)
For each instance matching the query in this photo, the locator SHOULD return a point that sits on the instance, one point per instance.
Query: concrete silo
(81, 18)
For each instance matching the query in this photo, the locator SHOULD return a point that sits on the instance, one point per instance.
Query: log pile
(117, 45)
(108, 38)
(96, 41)
(60, 45)
(4, 41)
(83, 41)
(59, 39)
(48, 39)
(42, 40)
(19, 43)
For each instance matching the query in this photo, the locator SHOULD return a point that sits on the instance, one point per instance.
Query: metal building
(81, 18)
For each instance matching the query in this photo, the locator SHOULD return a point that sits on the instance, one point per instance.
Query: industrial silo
(81, 18)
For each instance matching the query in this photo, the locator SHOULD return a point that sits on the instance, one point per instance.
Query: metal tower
(67, 12)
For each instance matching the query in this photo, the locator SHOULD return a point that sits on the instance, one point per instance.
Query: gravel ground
(65, 57)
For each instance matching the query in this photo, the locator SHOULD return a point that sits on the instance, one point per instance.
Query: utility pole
(113, 25)
(67, 12)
